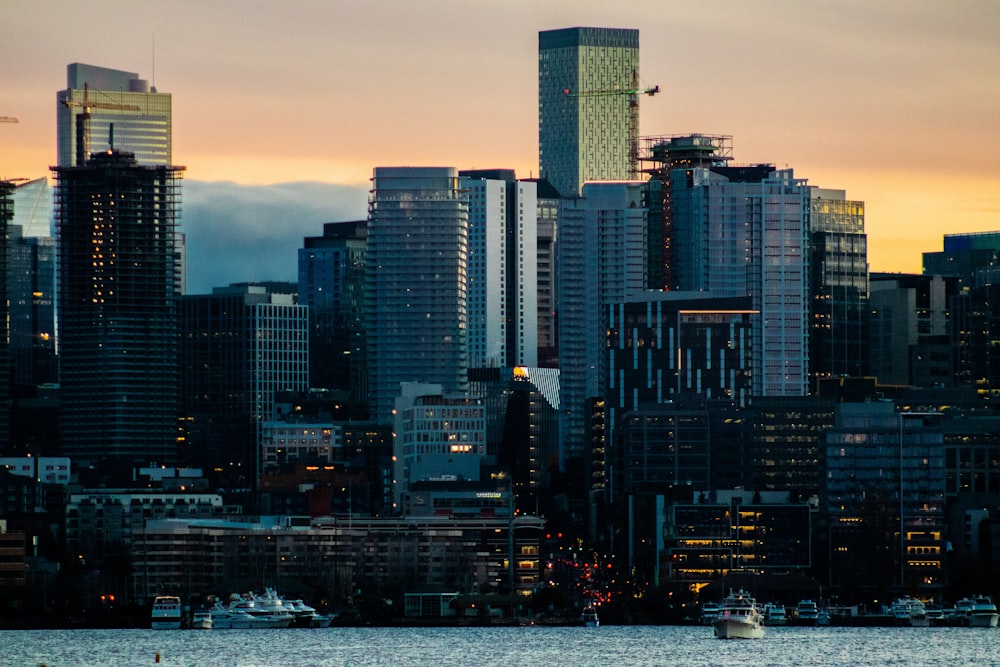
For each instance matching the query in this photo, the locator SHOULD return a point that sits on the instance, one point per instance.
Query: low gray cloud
(238, 233)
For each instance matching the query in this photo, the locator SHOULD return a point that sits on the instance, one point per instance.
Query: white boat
(589, 616)
(242, 613)
(774, 614)
(909, 611)
(202, 620)
(303, 615)
(738, 618)
(807, 612)
(166, 614)
(979, 611)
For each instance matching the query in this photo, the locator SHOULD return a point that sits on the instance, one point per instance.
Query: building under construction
(119, 285)
(659, 157)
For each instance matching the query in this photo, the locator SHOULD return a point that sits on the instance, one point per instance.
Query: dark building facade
(118, 290)
(31, 283)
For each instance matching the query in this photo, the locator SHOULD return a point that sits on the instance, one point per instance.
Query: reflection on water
(633, 646)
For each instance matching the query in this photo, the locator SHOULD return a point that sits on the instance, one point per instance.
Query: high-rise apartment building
(118, 287)
(744, 231)
(838, 335)
(502, 293)
(587, 107)
(240, 347)
(332, 286)
(416, 283)
(97, 98)
(601, 258)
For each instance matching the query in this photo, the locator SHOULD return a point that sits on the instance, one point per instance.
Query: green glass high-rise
(587, 118)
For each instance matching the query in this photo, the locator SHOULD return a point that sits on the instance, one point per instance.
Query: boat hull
(726, 628)
(983, 620)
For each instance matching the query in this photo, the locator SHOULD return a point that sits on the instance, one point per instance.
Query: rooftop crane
(633, 110)
(83, 120)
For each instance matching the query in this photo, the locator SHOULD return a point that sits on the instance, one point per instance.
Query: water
(632, 646)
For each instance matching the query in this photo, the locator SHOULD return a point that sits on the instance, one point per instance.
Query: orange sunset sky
(896, 102)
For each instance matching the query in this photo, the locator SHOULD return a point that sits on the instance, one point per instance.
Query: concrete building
(587, 118)
(118, 290)
(240, 347)
(97, 98)
(601, 261)
(502, 292)
(416, 283)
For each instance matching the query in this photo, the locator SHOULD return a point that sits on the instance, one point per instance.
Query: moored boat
(909, 611)
(774, 614)
(166, 613)
(709, 612)
(978, 611)
(807, 612)
(202, 620)
(738, 618)
(589, 616)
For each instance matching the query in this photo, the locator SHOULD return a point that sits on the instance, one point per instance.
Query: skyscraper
(416, 280)
(332, 285)
(502, 274)
(118, 287)
(587, 107)
(140, 115)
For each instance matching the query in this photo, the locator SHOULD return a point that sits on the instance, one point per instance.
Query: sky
(283, 109)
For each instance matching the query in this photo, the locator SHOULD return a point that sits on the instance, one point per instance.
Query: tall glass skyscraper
(586, 119)
(118, 286)
(416, 307)
(140, 115)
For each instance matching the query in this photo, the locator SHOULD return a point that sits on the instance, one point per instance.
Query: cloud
(238, 233)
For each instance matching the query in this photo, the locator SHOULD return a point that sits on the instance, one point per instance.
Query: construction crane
(83, 121)
(633, 110)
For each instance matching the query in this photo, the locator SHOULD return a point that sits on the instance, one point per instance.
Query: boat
(589, 616)
(242, 613)
(978, 611)
(738, 618)
(166, 614)
(202, 620)
(807, 612)
(709, 612)
(774, 614)
(303, 615)
(909, 611)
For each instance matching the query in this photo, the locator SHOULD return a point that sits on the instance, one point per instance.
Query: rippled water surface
(631, 646)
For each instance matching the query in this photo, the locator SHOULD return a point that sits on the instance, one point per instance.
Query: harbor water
(632, 646)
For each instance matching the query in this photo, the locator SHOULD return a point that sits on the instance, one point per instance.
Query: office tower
(502, 293)
(588, 120)
(838, 334)
(31, 283)
(788, 445)
(884, 495)
(974, 323)
(97, 98)
(601, 261)
(416, 281)
(117, 308)
(744, 230)
(240, 346)
(910, 342)
(332, 286)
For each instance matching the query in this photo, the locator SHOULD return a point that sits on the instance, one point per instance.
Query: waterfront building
(416, 283)
(240, 347)
(838, 334)
(884, 500)
(101, 106)
(481, 555)
(587, 118)
(502, 288)
(332, 285)
(118, 286)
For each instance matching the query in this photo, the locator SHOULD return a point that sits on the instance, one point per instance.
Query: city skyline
(852, 96)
